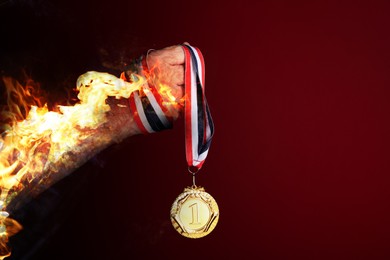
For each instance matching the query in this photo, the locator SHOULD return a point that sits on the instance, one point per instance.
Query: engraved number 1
(195, 214)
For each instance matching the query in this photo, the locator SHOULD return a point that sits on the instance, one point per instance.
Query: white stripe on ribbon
(194, 114)
(202, 157)
(152, 99)
(156, 106)
(141, 112)
(199, 65)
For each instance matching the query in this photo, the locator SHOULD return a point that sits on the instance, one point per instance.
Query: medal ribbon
(150, 113)
(147, 106)
(199, 126)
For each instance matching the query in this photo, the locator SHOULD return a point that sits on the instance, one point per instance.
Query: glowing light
(43, 136)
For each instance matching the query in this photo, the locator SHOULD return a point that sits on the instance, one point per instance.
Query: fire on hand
(38, 147)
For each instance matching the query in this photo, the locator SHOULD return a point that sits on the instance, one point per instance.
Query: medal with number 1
(195, 213)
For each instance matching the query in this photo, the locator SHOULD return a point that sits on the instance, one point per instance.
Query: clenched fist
(167, 67)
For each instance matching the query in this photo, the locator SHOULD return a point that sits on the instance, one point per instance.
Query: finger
(173, 55)
(178, 75)
(177, 92)
(170, 75)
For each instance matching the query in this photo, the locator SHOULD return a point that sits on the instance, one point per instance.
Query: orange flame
(34, 136)
(173, 98)
(37, 143)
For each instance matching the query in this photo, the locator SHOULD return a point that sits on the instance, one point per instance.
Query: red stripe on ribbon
(154, 90)
(133, 107)
(136, 117)
(194, 65)
(205, 123)
(187, 107)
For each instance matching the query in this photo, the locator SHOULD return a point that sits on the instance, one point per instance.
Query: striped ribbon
(150, 113)
(147, 106)
(199, 126)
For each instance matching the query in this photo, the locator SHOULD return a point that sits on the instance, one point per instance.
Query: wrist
(156, 104)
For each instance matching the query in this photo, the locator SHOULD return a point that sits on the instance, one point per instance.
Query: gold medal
(194, 213)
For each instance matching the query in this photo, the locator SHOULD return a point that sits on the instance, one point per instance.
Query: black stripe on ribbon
(203, 145)
(154, 122)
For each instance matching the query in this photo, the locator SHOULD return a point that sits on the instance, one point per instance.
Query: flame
(173, 98)
(37, 143)
(59, 132)
(8, 228)
(36, 138)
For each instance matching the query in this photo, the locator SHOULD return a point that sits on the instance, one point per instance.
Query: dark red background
(299, 92)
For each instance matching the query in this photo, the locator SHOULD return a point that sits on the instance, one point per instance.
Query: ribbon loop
(199, 126)
(151, 115)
